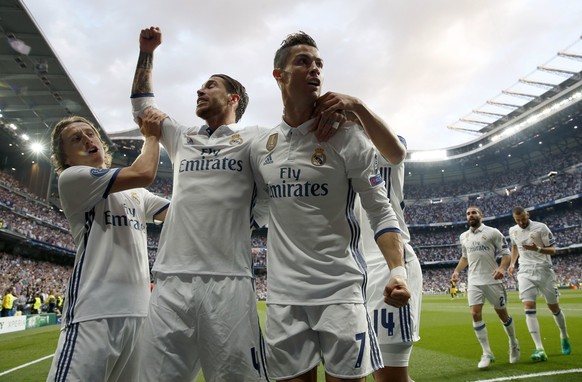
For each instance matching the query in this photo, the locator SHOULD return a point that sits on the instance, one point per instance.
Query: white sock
(560, 319)
(482, 337)
(510, 330)
(534, 327)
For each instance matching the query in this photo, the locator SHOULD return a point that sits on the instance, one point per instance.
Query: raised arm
(142, 171)
(149, 40)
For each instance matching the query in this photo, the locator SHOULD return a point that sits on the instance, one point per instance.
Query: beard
(474, 223)
(210, 110)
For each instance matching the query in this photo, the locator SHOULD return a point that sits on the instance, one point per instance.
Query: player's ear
(278, 75)
(234, 98)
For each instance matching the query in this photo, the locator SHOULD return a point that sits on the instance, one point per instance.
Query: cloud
(420, 65)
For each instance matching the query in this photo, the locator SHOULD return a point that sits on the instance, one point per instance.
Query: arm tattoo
(142, 81)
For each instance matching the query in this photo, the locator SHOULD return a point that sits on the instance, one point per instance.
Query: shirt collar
(303, 128)
(222, 130)
(479, 229)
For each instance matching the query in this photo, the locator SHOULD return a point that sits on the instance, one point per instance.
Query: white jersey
(394, 181)
(537, 233)
(392, 325)
(481, 248)
(111, 276)
(207, 228)
(313, 255)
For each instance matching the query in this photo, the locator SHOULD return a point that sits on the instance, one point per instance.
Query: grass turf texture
(448, 350)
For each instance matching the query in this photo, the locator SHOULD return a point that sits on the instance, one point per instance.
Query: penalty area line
(526, 376)
(25, 365)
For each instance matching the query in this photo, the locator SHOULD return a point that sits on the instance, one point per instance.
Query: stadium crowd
(28, 279)
(27, 215)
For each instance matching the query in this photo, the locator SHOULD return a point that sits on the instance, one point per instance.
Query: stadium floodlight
(13, 126)
(37, 147)
(25, 137)
(428, 155)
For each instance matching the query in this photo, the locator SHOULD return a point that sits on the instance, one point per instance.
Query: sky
(419, 64)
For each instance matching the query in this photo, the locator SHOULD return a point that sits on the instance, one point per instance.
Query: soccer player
(453, 289)
(480, 245)
(203, 310)
(462, 288)
(107, 209)
(533, 243)
(397, 328)
(317, 274)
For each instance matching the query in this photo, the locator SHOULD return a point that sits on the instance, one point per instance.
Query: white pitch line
(25, 365)
(556, 372)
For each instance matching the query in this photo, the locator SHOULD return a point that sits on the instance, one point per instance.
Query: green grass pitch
(448, 350)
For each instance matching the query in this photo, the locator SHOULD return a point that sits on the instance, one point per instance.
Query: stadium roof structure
(35, 89)
(539, 116)
(536, 117)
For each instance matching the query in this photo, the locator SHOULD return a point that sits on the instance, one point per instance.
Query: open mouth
(314, 82)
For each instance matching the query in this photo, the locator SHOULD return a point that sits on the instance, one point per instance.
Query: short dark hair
(299, 38)
(518, 210)
(235, 87)
(477, 208)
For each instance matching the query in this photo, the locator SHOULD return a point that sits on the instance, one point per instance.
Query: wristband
(398, 271)
(540, 249)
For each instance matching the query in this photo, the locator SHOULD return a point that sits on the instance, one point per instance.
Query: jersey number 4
(385, 319)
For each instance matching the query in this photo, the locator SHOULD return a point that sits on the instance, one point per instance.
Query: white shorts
(97, 350)
(494, 293)
(202, 321)
(395, 326)
(531, 278)
(339, 335)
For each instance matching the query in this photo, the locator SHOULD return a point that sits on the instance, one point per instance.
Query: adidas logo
(268, 160)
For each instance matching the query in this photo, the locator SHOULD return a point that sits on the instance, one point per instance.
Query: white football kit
(110, 277)
(205, 241)
(481, 249)
(535, 269)
(394, 326)
(314, 258)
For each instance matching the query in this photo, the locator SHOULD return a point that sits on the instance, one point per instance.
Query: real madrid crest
(318, 157)
(236, 139)
(272, 141)
(135, 197)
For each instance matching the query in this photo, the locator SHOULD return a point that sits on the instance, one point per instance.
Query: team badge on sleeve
(98, 172)
(376, 179)
(318, 158)
(236, 139)
(135, 197)
(272, 141)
